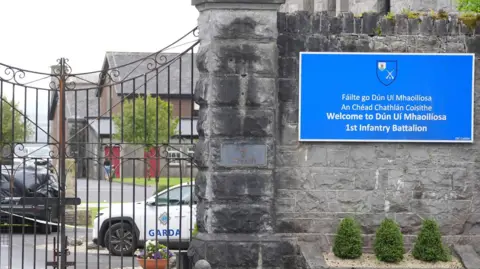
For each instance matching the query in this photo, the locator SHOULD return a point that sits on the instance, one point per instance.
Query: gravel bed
(370, 261)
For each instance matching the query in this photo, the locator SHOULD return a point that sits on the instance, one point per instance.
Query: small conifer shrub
(388, 245)
(428, 246)
(348, 240)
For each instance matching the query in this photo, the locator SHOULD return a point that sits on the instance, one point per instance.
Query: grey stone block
(241, 218)
(357, 25)
(414, 26)
(290, 46)
(347, 23)
(281, 22)
(452, 26)
(441, 27)
(354, 44)
(297, 225)
(201, 154)
(473, 44)
(369, 23)
(242, 59)
(288, 67)
(238, 122)
(299, 22)
(321, 23)
(246, 187)
(239, 24)
(427, 25)
(317, 43)
(288, 90)
(387, 26)
(243, 251)
(201, 184)
(401, 24)
(468, 256)
(289, 114)
(336, 26)
(288, 134)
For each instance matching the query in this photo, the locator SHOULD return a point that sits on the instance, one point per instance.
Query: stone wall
(317, 184)
(360, 6)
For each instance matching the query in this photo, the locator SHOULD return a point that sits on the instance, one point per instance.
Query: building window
(173, 157)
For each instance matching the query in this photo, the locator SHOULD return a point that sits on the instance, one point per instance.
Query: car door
(163, 216)
(188, 212)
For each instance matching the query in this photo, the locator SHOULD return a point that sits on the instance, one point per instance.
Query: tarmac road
(104, 191)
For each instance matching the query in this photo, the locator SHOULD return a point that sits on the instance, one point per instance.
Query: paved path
(105, 192)
(31, 251)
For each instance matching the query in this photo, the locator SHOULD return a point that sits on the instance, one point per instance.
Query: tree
(348, 241)
(428, 246)
(469, 6)
(14, 128)
(388, 245)
(152, 112)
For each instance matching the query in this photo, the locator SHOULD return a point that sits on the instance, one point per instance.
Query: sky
(34, 34)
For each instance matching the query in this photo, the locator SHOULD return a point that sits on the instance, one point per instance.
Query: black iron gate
(97, 165)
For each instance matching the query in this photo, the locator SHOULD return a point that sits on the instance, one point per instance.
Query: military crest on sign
(387, 72)
(164, 218)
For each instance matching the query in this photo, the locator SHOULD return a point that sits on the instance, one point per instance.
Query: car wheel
(120, 239)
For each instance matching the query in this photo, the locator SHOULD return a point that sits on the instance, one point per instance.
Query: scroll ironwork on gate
(102, 159)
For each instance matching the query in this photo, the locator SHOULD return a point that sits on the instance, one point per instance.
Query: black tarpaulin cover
(29, 183)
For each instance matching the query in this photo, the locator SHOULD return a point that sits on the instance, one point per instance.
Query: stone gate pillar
(237, 94)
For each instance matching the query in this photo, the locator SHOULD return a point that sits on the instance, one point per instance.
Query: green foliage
(390, 16)
(154, 250)
(442, 15)
(358, 15)
(160, 188)
(429, 246)
(348, 241)
(468, 6)
(14, 128)
(195, 230)
(140, 121)
(411, 14)
(388, 245)
(469, 19)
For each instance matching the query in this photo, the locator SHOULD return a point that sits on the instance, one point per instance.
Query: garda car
(168, 217)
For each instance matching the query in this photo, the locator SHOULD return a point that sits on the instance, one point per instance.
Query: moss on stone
(411, 14)
(469, 19)
(390, 16)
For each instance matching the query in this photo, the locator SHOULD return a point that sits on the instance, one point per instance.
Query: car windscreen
(40, 153)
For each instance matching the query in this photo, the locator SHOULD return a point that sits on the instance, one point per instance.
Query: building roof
(164, 73)
(79, 103)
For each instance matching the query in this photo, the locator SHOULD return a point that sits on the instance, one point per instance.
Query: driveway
(105, 192)
(32, 251)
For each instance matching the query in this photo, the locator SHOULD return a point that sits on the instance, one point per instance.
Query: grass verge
(92, 212)
(163, 181)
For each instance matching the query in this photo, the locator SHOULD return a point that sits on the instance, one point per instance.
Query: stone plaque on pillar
(243, 155)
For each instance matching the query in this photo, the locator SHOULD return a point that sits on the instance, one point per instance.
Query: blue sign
(386, 97)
